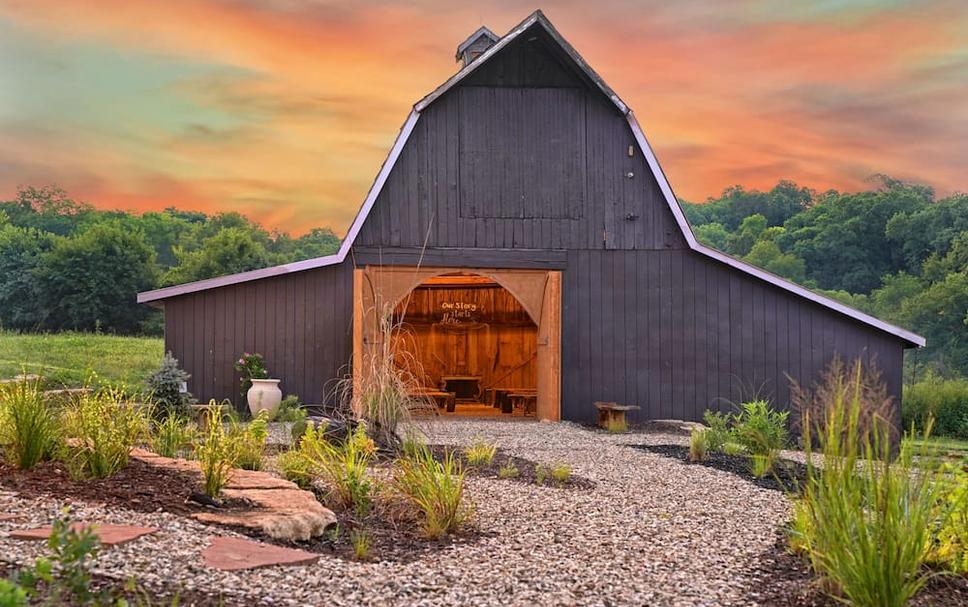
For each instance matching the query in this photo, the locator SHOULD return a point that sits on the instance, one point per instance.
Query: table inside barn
(464, 387)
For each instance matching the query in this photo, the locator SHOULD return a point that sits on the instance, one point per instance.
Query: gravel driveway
(654, 531)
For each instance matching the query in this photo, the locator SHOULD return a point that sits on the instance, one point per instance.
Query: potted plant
(260, 392)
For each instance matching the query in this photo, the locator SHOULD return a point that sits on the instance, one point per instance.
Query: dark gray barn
(525, 173)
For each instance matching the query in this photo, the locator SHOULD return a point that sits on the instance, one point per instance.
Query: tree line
(65, 265)
(896, 251)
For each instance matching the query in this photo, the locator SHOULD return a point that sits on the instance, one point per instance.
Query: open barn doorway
(474, 344)
(489, 340)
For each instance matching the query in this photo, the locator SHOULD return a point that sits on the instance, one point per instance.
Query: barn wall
(677, 333)
(300, 323)
(440, 194)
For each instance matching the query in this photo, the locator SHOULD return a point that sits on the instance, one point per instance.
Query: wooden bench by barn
(444, 400)
(613, 413)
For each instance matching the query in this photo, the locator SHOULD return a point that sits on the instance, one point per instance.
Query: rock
(283, 514)
(109, 535)
(232, 554)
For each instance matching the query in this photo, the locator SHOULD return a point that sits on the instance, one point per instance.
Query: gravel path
(654, 531)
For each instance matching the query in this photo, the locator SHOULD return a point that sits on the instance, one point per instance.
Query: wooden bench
(525, 402)
(501, 397)
(613, 413)
(443, 400)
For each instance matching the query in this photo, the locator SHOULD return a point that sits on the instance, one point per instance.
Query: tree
(750, 231)
(20, 254)
(767, 255)
(48, 209)
(931, 229)
(231, 250)
(713, 234)
(91, 281)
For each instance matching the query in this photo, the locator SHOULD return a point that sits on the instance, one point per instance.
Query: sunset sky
(284, 109)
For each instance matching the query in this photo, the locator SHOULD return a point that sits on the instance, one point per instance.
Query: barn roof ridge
(534, 18)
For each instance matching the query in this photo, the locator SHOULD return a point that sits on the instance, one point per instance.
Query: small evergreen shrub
(480, 453)
(945, 400)
(164, 387)
(29, 424)
(100, 430)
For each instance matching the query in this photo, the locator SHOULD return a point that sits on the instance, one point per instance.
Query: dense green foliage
(67, 266)
(944, 401)
(895, 251)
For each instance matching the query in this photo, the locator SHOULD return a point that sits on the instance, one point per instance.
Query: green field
(951, 450)
(70, 359)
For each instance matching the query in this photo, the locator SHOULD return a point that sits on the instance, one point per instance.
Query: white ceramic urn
(264, 395)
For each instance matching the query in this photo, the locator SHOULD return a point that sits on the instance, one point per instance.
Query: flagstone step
(109, 535)
(233, 554)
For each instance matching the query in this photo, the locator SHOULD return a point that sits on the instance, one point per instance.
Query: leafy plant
(435, 488)
(290, 411)
(698, 444)
(66, 574)
(295, 467)
(950, 546)
(480, 453)
(717, 434)
(762, 431)
(508, 470)
(100, 431)
(559, 473)
(217, 452)
(29, 425)
(865, 517)
(173, 435)
(251, 440)
(343, 467)
(165, 389)
(250, 366)
(541, 474)
(944, 400)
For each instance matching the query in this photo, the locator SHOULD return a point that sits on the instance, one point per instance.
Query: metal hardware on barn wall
(630, 174)
(631, 151)
(631, 217)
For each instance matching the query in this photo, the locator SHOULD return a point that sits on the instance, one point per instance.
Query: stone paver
(232, 554)
(109, 535)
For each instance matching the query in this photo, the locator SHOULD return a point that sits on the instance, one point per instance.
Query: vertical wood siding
(301, 324)
(678, 333)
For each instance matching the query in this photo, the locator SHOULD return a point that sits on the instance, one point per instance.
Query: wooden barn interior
(473, 343)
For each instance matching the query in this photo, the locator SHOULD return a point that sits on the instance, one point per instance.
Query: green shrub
(343, 467)
(165, 389)
(865, 517)
(718, 433)
(289, 410)
(295, 467)
(480, 453)
(508, 470)
(100, 430)
(216, 452)
(950, 546)
(733, 448)
(251, 440)
(698, 444)
(762, 431)
(29, 424)
(173, 435)
(541, 474)
(946, 400)
(65, 576)
(435, 488)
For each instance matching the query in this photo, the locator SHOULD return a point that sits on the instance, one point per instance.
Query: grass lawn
(68, 359)
(949, 448)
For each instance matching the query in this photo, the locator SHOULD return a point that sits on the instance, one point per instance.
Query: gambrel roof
(536, 19)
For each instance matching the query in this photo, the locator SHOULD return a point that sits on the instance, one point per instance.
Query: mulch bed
(138, 486)
(785, 580)
(787, 475)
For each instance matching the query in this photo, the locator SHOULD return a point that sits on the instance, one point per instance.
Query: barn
(524, 241)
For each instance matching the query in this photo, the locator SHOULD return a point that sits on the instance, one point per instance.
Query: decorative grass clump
(698, 444)
(173, 436)
(343, 467)
(29, 424)
(762, 431)
(480, 453)
(866, 515)
(217, 452)
(100, 430)
(435, 488)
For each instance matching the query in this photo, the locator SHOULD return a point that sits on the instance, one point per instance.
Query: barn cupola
(475, 45)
